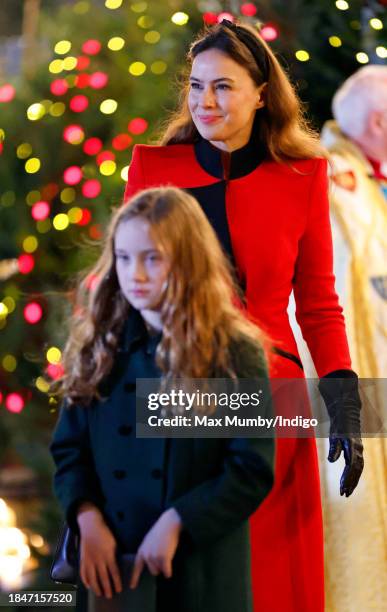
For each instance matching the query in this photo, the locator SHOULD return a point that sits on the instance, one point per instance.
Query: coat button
(125, 430)
(129, 387)
(120, 515)
(119, 474)
(156, 473)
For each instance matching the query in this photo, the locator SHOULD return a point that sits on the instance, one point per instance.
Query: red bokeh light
(72, 175)
(210, 18)
(82, 80)
(98, 80)
(138, 125)
(105, 156)
(225, 15)
(14, 402)
(49, 191)
(1, 397)
(33, 312)
(248, 9)
(26, 263)
(121, 142)
(1, 148)
(92, 146)
(86, 217)
(269, 32)
(91, 188)
(40, 211)
(79, 103)
(59, 87)
(91, 47)
(95, 232)
(7, 93)
(55, 370)
(83, 62)
(73, 134)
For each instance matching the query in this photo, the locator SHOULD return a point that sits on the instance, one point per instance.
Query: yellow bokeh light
(75, 214)
(69, 63)
(124, 173)
(381, 52)
(3, 310)
(137, 68)
(36, 111)
(376, 23)
(57, 109)
(32, 165)
(152, 37)
(342, 5)
(62, 47)
(139, 7)
(116, 43)
(30, 244)
(53, 355)
(61, 221)
(32, 197)
(145, 21)
(302, 56)
(113, 4)
(180, 18)
(81, 8)
(9, 303)
(107, 107)
(43, 226)
(9, 363)
(67, 195)
(24, 150)
(158, 67)
(56, 66)
(108, 167)
(2, 135)
(42, 384)
(362, 57)
(335, 41)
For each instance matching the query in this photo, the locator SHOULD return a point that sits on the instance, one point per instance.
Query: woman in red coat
(240, 145)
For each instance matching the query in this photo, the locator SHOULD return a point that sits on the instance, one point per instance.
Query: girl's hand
(97, 552)
(158, 547)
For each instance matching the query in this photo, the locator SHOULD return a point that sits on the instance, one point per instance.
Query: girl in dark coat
(157, 304)
(240, 144)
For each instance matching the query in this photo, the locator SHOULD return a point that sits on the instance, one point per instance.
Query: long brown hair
(280, 127)
(199, 312)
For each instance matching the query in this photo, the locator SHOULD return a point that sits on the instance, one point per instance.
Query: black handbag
(65, 564)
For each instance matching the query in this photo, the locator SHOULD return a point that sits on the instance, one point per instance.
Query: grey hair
(363, 92)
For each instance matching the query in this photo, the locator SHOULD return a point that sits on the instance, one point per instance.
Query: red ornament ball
(26, 263)
(33, 312)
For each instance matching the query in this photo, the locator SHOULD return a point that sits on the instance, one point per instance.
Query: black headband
(256, 50)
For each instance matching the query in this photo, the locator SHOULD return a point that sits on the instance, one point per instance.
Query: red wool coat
(273, 221)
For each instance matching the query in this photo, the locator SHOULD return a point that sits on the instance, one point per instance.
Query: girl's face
(142, 269)
(223, 99)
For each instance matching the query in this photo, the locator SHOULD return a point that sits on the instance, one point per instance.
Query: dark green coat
(214, 484)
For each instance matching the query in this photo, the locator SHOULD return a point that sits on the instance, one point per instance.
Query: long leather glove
(340, 392)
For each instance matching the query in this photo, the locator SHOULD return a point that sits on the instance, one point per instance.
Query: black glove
(340, 392)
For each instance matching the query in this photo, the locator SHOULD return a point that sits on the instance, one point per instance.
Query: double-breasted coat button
(119, 474)
(125, 430)
(129, 387)
(156, 473)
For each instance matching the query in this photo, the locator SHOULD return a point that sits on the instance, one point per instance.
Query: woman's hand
(158, 547)
(98, 547)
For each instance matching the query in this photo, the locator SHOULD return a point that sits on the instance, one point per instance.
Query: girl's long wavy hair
(199, 311)
(280, 127)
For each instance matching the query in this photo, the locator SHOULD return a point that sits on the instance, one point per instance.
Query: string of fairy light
(73, 80)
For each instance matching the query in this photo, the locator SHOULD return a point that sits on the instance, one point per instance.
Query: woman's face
(223, 99)
(142, 268)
